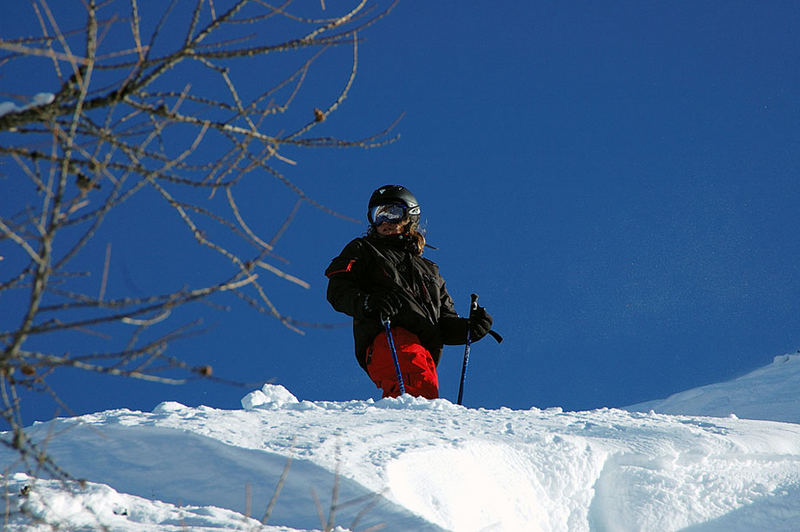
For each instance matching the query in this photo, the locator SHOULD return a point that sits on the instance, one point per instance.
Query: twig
(279, 487)
(129, 120)
(106, 265)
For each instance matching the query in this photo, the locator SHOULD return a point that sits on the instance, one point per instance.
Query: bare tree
(143, 106)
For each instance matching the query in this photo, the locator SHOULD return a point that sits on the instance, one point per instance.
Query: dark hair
(418, 239)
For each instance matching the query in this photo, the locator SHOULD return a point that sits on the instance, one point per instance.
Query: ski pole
(472, 306)
(388, 326)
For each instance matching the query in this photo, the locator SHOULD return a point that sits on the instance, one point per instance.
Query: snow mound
(410, 464)
(768, 393)
(91, 506)
(271, 396)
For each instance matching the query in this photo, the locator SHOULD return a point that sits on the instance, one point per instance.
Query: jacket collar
(403, 241)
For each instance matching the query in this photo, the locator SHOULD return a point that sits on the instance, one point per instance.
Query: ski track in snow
(414, 464)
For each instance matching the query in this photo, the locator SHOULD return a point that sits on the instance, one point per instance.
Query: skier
(383, 274)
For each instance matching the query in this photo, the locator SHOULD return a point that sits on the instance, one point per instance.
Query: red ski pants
(416, 365)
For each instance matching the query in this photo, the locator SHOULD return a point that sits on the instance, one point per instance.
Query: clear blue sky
(617, 180)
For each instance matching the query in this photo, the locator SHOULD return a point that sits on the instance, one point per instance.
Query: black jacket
(378, 264)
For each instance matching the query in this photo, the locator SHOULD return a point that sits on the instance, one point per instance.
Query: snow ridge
(767, 393)
(414, 464)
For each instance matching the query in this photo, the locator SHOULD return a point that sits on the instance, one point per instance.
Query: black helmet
(394, 194)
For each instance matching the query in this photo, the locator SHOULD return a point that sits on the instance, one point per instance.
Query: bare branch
(52, 360)
(22, 242)
(152, 110)
(243, 224)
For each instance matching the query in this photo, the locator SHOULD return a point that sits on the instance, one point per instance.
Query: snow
(766, 393)
(413, 464)
(40, 98)
(272, 397)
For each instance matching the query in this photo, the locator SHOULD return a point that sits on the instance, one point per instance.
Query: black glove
(383, 305)
(480, 323)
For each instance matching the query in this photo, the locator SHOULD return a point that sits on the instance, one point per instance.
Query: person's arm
(343, 273)
(454, 328)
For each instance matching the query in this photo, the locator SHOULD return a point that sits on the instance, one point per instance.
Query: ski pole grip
(474, 306)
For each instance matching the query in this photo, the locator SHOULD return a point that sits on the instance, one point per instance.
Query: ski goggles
(393, 213)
